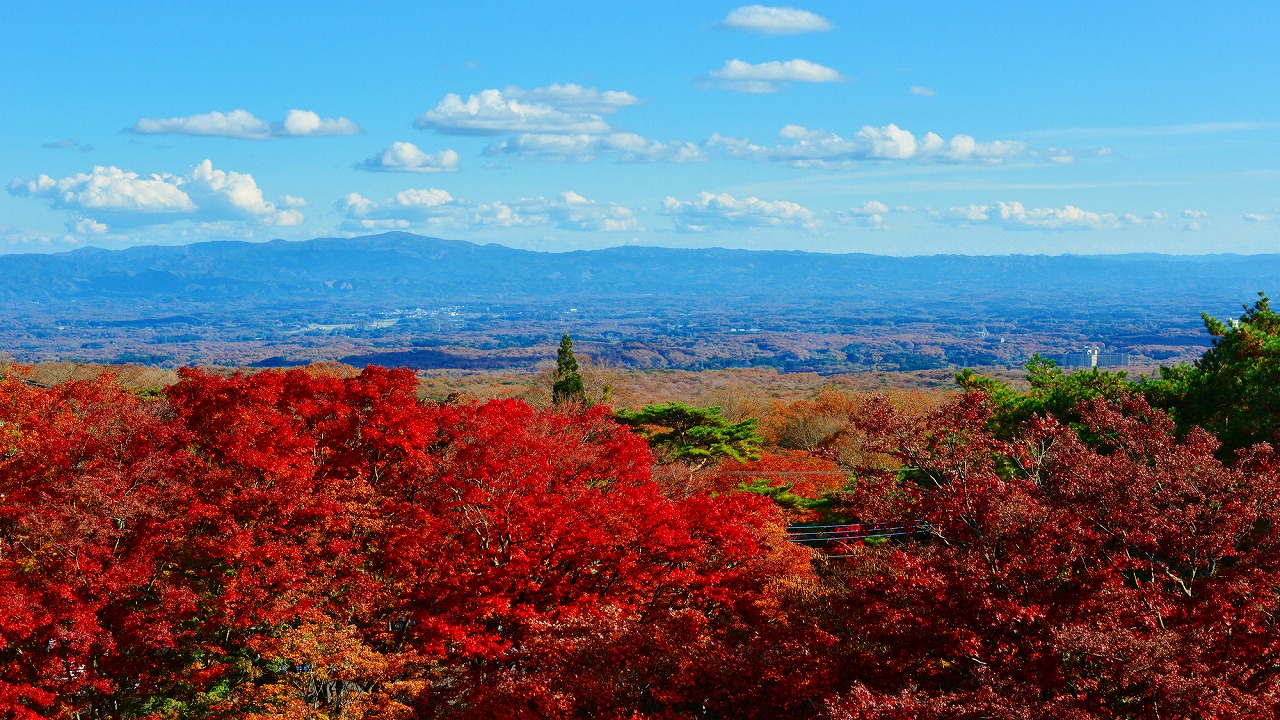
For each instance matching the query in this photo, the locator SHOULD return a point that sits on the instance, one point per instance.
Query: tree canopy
(1234, 389)
(289, 545)
(683, 433)
(568, 386)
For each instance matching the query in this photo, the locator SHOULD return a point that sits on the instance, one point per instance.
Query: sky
(900, 128)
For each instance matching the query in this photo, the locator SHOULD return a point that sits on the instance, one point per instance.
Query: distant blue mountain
(402, 267)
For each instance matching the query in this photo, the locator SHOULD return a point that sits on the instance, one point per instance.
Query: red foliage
(278, 544)
(1132, 576)
(291, 545)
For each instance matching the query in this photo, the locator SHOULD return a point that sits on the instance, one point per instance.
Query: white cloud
(1194, 214)
(869, 208)
(23, 241)
(290, 201)
(237, 124)
(242, 124)
(574, 98)
(489, 113)
(770, 77)
(803, 147)
(428, 207)
(500, 214)
(775, 20)
(1253, 217)
(304, 123)
(434, 208)
(221, 195)
(108, 189)
(571, 211)
(428, 198)
(86, 226)
(923, 91)
(407, 157)
(628, 147)
(1015, 216)
(110, 196)
(709, 212)
(567, 211)
(869, 214)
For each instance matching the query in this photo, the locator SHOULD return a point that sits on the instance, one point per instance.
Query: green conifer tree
(699, 436)
(568, 387)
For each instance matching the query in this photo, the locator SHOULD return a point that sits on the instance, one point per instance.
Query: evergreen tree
(1232, 391)
(682, 433)
(568, 387)
(1054, 393)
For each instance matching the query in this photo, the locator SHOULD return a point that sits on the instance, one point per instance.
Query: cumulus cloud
(434, 208)
(304, 123)
(489, 112)
(406, 209)
(573, 98)
(923, 91)
(802, 147)
(237, 124)
(108, 189)
(242, 124)
(567, 211)
(407, 157)
(627, 147)
(86, 226)
(1253, 217)
(109, 197)
(775, 20)
(1016, 216)
(1194, 214)
(222, 195)
(869, 214)
(709, 211)
(770, 77)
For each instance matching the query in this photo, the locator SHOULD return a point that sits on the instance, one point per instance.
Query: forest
(322, 542)
(404, 300)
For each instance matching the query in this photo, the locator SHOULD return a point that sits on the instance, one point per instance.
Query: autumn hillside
(325, 542)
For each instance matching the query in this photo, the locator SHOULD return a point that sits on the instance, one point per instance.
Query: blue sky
(896, 128)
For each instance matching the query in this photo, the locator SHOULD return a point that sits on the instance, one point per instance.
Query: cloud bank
(489, 112)
(574, 98)
(407, 157)
(626, 147)
(775, 20)
(243, 125)
(801, 147)
(709, 211)
(768, 77)
(1016, 216)
(108, 197)
(434, 208)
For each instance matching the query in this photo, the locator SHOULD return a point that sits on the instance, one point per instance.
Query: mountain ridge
(399, 266)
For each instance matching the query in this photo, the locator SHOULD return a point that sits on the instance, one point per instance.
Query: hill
(448, 303)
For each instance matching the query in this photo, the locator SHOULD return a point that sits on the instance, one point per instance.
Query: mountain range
(383, 296)
(407, 267)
